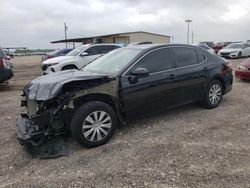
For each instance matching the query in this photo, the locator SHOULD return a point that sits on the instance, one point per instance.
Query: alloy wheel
(215, 94)
(96, 126)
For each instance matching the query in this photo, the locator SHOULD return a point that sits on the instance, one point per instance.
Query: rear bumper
(228, 79)
(244, 75)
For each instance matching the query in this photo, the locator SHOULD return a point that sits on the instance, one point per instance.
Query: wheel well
(221, 81)
(95, 97)
(69, 66)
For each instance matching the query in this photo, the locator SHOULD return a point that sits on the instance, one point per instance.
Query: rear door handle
(171, 76)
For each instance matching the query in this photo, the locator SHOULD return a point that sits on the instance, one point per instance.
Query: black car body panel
(5, 74)
(52, 99)
(6, 66)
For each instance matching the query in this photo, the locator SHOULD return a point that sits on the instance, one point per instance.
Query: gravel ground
(185, 147)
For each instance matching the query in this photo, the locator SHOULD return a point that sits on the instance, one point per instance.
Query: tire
(68, 67)
(239, 55)
(213, 95)
(84, 124)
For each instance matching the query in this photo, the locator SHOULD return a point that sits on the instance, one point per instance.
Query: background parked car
(56, 53)
(77, 58)
(208, 43)
(6, 66)
(206, 47)
(243, 70)
(220, 45)
(235, 50)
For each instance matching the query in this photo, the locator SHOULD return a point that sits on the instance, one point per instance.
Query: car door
(153, 92)
(192, 73)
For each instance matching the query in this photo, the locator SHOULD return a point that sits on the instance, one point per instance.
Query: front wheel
(93, 124)
(213, 95)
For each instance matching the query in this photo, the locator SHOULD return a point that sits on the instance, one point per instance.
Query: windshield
(77, 51)
(113, 62)
(234, 46)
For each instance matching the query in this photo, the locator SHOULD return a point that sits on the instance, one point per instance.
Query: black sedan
(123, 83)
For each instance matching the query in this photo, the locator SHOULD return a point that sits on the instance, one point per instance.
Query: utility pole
(192, 37)
(65, 33)
(172, 39)
(188, 21)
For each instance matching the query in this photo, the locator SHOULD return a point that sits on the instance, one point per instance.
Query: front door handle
(205, 68)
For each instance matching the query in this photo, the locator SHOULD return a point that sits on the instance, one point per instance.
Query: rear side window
(185, 56)
(156, 61)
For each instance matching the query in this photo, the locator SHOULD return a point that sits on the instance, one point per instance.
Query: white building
(121, 38)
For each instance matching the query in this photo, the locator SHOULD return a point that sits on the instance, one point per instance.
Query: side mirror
(84, 54)
(140, 72)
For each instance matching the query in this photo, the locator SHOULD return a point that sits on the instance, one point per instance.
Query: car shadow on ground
(138, 123)
(5, 87)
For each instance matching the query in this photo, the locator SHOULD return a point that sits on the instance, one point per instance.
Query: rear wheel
(213, 95)
(93, 123)
(239, 55)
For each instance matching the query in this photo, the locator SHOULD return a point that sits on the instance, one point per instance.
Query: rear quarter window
(201, 57)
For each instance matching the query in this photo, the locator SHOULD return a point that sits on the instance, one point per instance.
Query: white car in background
(77, 58)
(206, 47)
(235, 50)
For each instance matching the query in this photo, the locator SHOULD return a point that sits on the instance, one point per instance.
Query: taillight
(1, 63)
(227, 66)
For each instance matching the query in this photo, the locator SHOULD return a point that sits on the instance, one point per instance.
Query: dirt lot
(185, 147)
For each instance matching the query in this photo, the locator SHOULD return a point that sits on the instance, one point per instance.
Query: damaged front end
(49, 103)
(40, 128)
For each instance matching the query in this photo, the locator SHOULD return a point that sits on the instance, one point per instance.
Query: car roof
(153, 46)
(108, 44)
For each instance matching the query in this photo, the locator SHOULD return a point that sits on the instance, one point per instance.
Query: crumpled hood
(61, 59)
(49, 86)
(229, 50)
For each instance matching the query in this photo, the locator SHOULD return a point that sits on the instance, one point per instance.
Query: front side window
(92, 50)
(155, 61)
(185, 56)
(77, 51)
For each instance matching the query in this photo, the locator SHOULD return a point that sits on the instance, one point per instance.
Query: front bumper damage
(41, 134)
